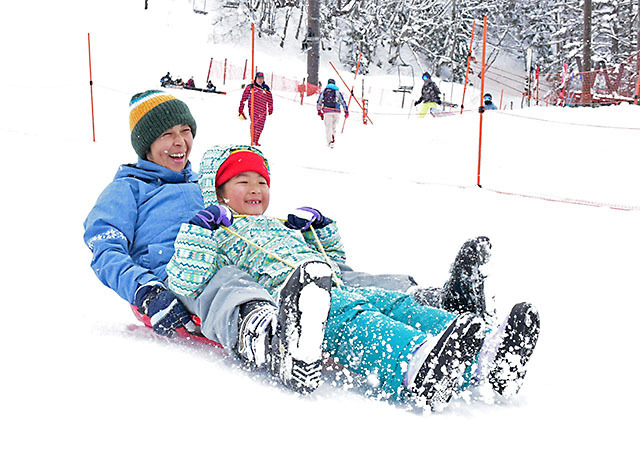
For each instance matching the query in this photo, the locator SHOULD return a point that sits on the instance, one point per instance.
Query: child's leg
(368, 342)
(405, 309)
(218, 305)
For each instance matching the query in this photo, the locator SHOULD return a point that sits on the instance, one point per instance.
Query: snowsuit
(430, 97)
(263, 106)
(371, 331)
(331, 110)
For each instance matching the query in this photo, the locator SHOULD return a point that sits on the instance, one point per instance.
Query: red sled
(182, 332)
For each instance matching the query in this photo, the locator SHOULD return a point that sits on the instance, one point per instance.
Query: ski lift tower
(405, 80)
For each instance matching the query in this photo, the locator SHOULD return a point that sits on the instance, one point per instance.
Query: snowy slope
(77, 375)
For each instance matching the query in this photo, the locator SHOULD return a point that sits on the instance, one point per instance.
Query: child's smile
(246, 194)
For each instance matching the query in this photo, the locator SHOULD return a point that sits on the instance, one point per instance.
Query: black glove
(305, 217)
(438, 101)
(416, 103)
(165, 311)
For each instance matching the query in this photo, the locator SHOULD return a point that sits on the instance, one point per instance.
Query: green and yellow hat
(151, 113)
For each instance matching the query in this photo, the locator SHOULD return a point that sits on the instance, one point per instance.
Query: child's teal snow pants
(372, 331)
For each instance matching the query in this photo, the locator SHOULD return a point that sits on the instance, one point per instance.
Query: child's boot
(296, 348)
(507, 350)
(288, 340)
(443, 359)
(464, 291)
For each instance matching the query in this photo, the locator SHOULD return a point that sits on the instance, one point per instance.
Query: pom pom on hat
(239, 162)
(153, 112)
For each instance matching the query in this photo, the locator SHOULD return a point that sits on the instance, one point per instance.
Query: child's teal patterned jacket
(200, 252)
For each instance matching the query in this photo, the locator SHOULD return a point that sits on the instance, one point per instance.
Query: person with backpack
(429, 97)
(260, 93)
(329, 103)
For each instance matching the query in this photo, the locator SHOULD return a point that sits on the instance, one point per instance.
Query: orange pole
(638, 85)
(484, 50)
(93, 124)
(253, 77)
(354, 97)
(501, 95)
(351, 92)
(466, 77)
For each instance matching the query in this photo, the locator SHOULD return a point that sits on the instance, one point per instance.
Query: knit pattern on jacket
(200, 252)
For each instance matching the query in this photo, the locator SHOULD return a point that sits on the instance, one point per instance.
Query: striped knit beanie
(151, 113)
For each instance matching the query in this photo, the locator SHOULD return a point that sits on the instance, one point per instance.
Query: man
(260, 105)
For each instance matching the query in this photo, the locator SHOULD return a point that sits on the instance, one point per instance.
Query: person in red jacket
(262, 105)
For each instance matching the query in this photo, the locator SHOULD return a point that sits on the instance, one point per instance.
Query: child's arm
(305, 218)
(195, 261)
(330, 241)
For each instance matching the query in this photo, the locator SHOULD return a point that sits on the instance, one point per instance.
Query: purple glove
(212, 217)
(305, 217)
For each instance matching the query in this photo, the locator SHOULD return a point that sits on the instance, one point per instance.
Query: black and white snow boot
(288, 340)
(506, 350)
(464, 291)
(450, 354)
(296, 347)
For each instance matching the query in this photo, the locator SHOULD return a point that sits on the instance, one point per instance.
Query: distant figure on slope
(166, 80)
(488, 102)
(191, 83)
(430, 96)
(211, 86)
(263, 106)
(329, 103)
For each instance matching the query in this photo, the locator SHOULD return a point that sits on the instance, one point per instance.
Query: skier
(488, 103)
(429, 97)
(263, 106)
(328, 106)
(415, 356)
(191, 83)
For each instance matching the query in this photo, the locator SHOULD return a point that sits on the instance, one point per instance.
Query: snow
(77, 373)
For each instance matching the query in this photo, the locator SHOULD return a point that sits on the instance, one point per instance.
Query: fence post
(484, 49)
(466, 77)
(224, 74)
(93, 125)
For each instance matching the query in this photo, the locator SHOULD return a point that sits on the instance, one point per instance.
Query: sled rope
(275, 257)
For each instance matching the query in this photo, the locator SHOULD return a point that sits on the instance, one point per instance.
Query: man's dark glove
(439, 102)
(165, 311)
(305, 217)
(213, 217)
(416, 103)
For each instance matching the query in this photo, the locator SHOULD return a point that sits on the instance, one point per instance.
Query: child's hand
(212, 217)
(305, 217)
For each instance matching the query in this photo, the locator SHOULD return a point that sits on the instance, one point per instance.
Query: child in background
(404, 347)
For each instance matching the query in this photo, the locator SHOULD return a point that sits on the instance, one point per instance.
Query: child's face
(246, 193)
(172, 148)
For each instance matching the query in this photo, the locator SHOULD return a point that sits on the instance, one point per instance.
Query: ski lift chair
(406, 79)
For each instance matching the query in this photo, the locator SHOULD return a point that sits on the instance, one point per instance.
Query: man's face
(171, 150)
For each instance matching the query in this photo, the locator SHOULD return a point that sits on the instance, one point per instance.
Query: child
(407, 349)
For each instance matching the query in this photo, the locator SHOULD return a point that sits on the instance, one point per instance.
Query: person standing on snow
(430, 96)
(259, 93)
(329, 103)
